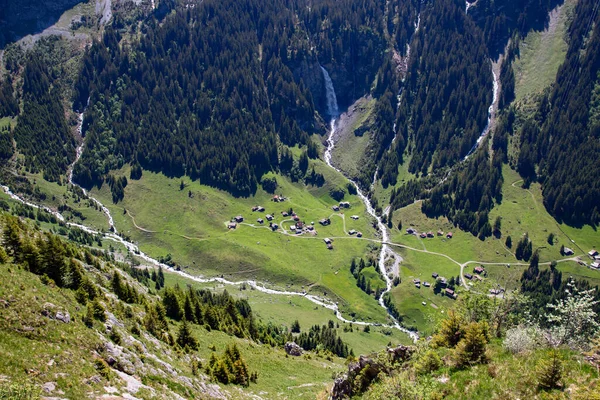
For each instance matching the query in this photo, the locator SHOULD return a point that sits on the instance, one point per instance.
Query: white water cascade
(332, 105)
(386, 252)
(491, 115)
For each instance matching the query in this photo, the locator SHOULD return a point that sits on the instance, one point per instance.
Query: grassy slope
(57, 194)
(193, 230)
(27, 353)
(542, 53)
(349, 147)
(505, 376)
(284, 310)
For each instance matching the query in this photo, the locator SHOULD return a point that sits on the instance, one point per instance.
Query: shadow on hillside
(19, 18)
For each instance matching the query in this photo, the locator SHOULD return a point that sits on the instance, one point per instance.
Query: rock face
(362, 373)
(20, 18)
(400, 353)
(293, 349)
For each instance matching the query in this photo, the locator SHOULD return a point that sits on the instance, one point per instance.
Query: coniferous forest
(217, 93)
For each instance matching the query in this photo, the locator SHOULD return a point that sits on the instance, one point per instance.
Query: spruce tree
(550, 372)
(185, 339)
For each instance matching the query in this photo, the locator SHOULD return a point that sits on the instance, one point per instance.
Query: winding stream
(79, 151)
(386, 252)
(324, 302)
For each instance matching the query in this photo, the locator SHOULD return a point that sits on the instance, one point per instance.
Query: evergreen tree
(185, 339)
(550, 371)
(296, 327)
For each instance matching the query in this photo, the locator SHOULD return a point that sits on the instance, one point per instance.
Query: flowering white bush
(523, 338)
(574, 321)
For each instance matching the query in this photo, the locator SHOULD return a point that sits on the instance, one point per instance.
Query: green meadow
(191, 225)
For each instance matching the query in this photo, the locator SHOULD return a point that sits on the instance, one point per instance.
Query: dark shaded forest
(42, 133)
(500, 19)
(211, 91)
(444, 98)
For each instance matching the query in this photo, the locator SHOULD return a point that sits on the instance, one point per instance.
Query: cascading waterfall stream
(386, 251)
(491, 115)
(78, 152)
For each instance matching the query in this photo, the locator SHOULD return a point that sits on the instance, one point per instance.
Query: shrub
(296, 327)
(337, 193)
(550, 372)
(102, 368)
(522, 338)
(471, 349)
(269, 185)
(428, 363)
(3, 255)
(81, 296)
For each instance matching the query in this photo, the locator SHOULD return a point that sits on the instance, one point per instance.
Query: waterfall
(491, 114)
(332, 105)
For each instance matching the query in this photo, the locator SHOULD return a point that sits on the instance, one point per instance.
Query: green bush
(428, 363)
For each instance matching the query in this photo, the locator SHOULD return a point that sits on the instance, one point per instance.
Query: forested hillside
(560, 143)
(211, 90)
(500, 20)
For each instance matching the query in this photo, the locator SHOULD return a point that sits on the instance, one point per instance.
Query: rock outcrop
(293, 349)
(361, 373)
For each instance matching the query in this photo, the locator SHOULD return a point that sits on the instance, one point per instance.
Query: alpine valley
(285, 199)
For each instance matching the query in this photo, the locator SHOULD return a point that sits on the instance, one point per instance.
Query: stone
(110, 360)
(47, 310)
(293, 349)
(341, 388)
(400, 353)
(63, 317)
(126, 366)
(366, 367)
(93, 379)
(49, 387)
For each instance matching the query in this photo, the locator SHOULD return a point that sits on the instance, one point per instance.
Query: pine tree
(508, 242)
(98, 310)
(185, 339)
(88, 319)
(498, 227)
(171, 303)
(471, 349)
(296, 327)
(161, 277)
(550, 372)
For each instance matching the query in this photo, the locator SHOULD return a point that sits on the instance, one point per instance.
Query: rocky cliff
(21, 17)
